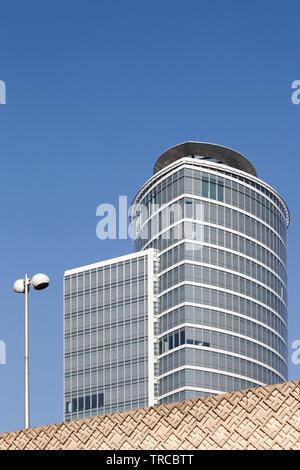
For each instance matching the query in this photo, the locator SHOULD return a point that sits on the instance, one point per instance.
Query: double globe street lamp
(22, 286)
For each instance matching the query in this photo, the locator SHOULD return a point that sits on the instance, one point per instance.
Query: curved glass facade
(221, 238)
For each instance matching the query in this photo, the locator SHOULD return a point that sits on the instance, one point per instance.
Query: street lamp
(21, 286)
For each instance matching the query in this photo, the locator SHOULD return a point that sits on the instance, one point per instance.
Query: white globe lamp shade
(40, 281)
(19, 286)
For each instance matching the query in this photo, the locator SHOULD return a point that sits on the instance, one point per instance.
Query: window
(188, 209)
(179, 338)
(80, 404)
(205, 187)
(68, 407)
(74, 405)
(100, 400)
(87, 402)
(182, 337)
(220, 188)
(94, 401)
(176, 340)
(213, 188)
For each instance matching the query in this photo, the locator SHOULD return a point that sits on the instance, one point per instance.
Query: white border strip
(209, 224)
(219, 351)
(150, 339)
(215, 371)
(226, 291)
(222, 269)
(108, 262)
(211, 201)
(213, 328)
(226, 250)
(214, 168)
(223, 310)
(192, 389)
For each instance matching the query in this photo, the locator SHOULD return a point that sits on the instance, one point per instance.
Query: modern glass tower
(219, 238)
(109, 335)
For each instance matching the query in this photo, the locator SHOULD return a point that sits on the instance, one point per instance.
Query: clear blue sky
(96, 90)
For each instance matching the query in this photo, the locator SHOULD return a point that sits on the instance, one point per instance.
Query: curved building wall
(221, 237)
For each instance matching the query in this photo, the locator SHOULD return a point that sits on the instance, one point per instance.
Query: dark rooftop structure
(205, 151)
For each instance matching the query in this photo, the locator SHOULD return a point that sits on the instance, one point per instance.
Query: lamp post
(21, 286)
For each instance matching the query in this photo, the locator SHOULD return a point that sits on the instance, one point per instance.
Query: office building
(109, 335)
(217, 238)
